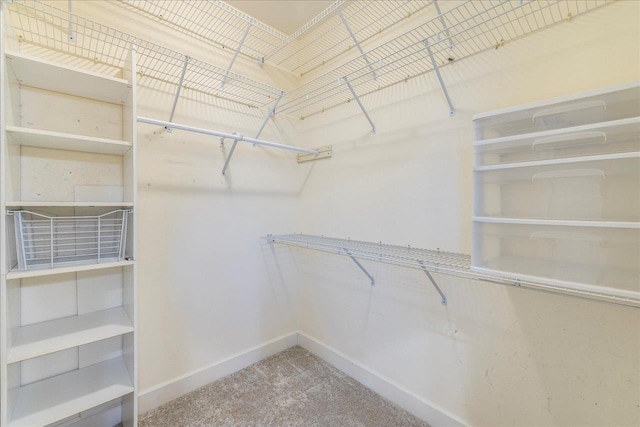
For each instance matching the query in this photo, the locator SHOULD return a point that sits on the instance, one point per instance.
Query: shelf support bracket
(355, 40)
(235, 55)
(452, 111)
(175, 100)
(355, 96)
(71, 36)
(271, 113)
(444, 25)
(228, 159)
(364, 270)
(443, 298)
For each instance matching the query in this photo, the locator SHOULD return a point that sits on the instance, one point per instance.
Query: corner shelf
(67, 141)
(60, 334)
(62, 396)
(562, 161)
(30, 70)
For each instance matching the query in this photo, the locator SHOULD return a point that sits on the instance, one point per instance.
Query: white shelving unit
(557, 191)
(68, 335)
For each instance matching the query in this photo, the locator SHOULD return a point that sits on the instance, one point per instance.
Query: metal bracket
(443, 298)
(373, 281)
(355, 40)
(175, 100)
(355, 96)
(71, 36)
(272, 111)
(325, 152)
(270, 114)
(235, 55)
(228, 159)
(452, 111)
(444, 24)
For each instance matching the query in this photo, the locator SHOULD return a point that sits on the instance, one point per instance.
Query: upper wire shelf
(321, 40)
(106, 48)
(471, 27)
(448, 263)
(215, 22)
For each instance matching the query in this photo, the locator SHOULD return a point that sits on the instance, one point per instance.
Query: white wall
(495, 355)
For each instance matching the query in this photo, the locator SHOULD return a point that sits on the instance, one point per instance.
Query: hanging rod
(448, 263)
(233, 136)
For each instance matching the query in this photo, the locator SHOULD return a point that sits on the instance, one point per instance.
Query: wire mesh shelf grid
(44, 241)
(448, 263)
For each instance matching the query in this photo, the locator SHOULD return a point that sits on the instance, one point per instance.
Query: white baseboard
(170, 390)
(417, 406)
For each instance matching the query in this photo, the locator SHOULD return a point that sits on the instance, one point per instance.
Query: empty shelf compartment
(55, 335)
(45, 402)
(66, 141)
(43, 74)
(602, 105)
(591, 255)
(589, 188)
(620, 136)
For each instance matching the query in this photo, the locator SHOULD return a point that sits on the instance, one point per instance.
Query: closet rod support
(228, 159)
(444, 24)
(235, 55)
(235, 137)
(355, 96)
(355, 40)
(452, 111)
(364, 270)
(443, 298)
(175, 100)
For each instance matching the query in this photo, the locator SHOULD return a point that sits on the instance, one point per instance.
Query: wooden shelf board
(19, 274)
(56, 335)
(21, 204)
(43, 74)
(66, 141)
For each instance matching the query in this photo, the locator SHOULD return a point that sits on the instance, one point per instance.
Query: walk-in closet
(319, 213)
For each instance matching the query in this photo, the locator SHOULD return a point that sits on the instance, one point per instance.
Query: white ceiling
(284, 15)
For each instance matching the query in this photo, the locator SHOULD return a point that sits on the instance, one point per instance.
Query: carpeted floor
(292, 388)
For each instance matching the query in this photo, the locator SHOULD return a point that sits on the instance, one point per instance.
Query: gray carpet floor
(292, 388)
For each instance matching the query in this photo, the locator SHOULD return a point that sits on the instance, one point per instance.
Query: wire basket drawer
(47, 242)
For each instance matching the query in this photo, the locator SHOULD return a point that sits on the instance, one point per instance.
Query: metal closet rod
(224, 135)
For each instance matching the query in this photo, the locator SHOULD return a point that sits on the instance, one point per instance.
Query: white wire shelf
(321, 40)
(105, 49)
(471, 27)
(215, 22)
(448, 263)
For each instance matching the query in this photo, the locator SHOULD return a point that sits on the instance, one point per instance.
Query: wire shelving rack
(440, 262)
(471, 27)
(464, 29)
(104, 47)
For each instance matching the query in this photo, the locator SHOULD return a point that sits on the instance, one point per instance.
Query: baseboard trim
(165, 392)
(405, 399)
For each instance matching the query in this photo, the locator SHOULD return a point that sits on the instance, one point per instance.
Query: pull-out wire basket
(48, 242)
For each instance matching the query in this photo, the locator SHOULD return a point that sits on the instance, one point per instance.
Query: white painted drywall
(495, 355)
